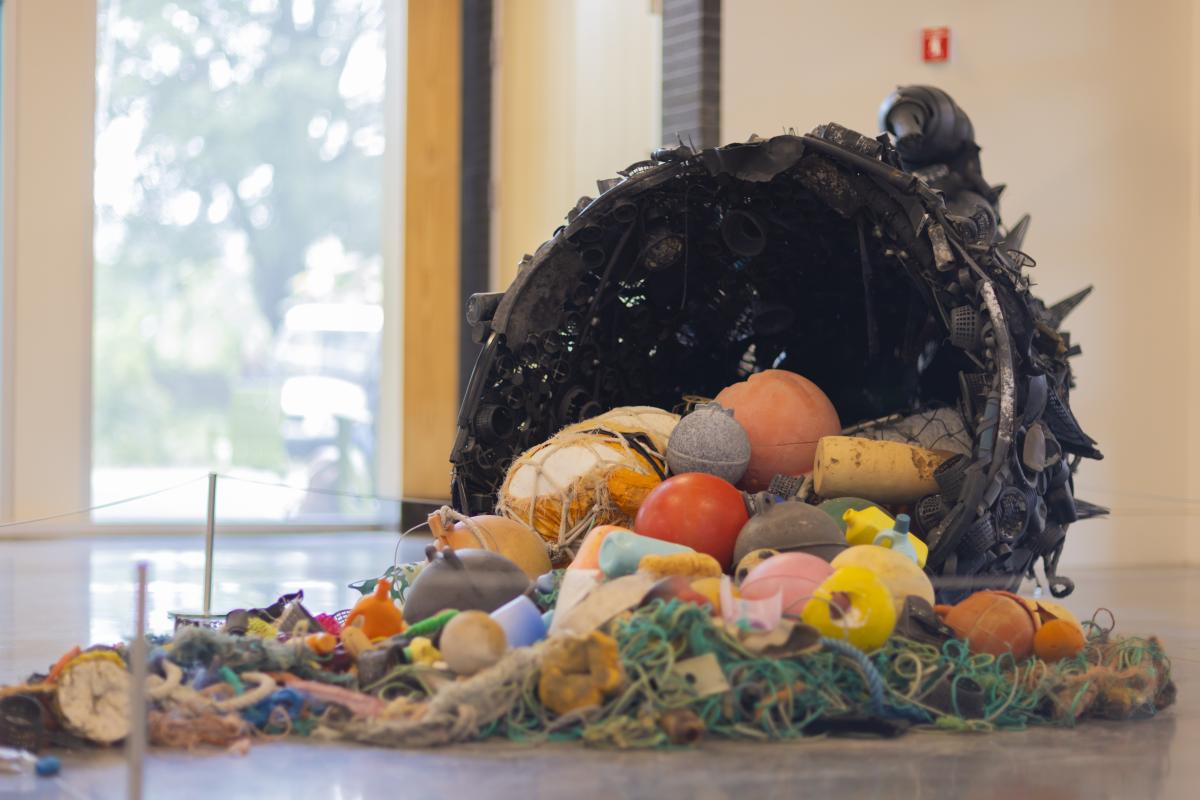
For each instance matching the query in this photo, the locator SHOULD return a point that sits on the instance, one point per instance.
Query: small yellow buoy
(855, 605)
(898, 572)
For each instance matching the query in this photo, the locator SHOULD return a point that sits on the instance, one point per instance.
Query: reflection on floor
(60, 592)
(56, 594)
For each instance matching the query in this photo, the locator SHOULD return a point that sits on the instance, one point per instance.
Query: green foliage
(225, 149)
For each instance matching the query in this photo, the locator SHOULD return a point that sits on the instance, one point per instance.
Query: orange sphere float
(519, 544)
(785, 415)
(701, 511)
(993, 622)
(1058, 639)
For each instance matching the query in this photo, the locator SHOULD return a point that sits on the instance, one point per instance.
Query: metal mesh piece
(949, 476)
(978, 383)
(22, 722)
(964, 327)
(1012, 514)
(978, 539)
(930, 510)
(1045, 540)
(937, 429)
(785, 485)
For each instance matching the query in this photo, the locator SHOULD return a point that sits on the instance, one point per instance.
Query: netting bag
(595, 472)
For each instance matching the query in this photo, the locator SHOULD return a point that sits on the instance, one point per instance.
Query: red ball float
(695, 509)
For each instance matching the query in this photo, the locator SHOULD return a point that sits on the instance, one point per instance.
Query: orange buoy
(519, 544)
(380, 616)
(994, 623)
(785, 415)
(1058, 639)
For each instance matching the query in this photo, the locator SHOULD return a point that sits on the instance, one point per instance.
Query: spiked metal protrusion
(1058, 312)
(1085, 510)
(1016, 235)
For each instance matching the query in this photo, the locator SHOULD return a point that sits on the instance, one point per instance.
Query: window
(238, 283)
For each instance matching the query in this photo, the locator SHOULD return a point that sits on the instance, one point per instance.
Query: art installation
(759, 445)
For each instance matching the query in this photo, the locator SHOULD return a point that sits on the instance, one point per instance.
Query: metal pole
(210, 528)
(135, 745)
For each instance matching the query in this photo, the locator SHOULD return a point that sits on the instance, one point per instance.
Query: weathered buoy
(784, 415)
(697, 510)
(599, 470)
(887, 472)
(993, 622)
(514, 540)
(464, 580)
(792, 526)
(709, 440)
(750, 561)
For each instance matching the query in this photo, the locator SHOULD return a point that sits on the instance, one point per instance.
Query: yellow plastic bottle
(864, 527)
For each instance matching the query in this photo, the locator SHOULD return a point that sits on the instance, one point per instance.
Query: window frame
(47, 137)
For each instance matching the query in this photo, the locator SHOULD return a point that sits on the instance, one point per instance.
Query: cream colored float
(511, 539)
(883, 472)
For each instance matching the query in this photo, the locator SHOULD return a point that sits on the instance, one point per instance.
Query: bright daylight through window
(238, 274)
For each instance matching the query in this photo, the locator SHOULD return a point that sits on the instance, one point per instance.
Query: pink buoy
(793, 575)
(785, 415)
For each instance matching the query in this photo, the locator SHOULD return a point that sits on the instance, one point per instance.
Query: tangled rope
(946, 688)
(654, 695)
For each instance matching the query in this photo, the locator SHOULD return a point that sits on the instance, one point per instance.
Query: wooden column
(431, 245)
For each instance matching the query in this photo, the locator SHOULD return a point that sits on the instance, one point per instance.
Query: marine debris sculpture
(760, 444)
(877, 268)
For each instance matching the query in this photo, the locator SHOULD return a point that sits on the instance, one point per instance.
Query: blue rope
(874, 679)
(874, 682)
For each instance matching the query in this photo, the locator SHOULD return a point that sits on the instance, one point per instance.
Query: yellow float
(854, 605)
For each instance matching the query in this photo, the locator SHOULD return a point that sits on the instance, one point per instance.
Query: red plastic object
(936, 44)
(784, 415)
(695, 509)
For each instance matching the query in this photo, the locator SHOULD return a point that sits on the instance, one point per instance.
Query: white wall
(577, 98)
(49, 74)
(1087, 110)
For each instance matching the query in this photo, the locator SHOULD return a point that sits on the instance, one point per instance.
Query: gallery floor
(56, 594)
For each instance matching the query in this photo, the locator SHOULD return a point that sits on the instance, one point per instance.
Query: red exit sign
(936, 44)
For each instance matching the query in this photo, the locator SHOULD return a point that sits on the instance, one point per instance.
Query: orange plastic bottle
(380, 616)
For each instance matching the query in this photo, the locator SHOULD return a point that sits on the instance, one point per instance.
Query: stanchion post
(210, 528)
(135, 744)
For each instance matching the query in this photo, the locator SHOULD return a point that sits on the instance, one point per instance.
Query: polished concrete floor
(56, 594)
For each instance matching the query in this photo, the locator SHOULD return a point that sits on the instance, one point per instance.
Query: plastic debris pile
(751, 614)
